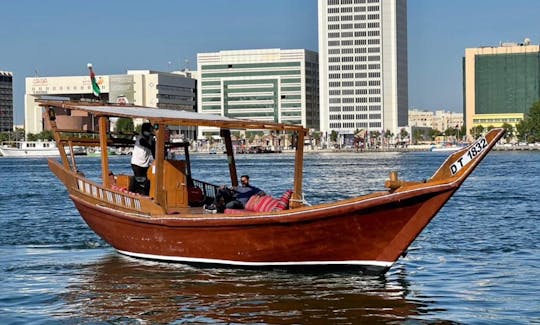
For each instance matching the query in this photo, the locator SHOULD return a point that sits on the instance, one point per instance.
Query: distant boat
(35, 149)
(97, 152)
(447, 148)
(29, 149)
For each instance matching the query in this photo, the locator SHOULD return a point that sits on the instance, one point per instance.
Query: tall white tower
(363, 65)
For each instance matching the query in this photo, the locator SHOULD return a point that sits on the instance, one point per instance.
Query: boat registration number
(477, 147)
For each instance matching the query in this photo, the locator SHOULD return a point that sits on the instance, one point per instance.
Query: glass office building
(267, 85)
(500, 83)
(6, 101)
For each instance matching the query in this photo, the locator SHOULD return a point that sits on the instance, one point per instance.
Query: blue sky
(58, 37)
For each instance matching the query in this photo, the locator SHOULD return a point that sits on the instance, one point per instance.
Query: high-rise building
(363, 65)
(269, 84)
(6, 101)
(139, 87)
(500, 83)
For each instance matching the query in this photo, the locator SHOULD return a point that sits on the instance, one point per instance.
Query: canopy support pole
(226, 134)
(188, 165)
(104, 151)
(51, 117)
(159, 165)
(296, 199)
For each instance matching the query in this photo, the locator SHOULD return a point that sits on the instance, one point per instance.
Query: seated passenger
(234, 197)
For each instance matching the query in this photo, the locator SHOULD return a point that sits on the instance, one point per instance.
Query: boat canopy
(163, 117)
(171, 117)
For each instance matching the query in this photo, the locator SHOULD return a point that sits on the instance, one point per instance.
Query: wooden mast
(104, 151)
(226, 134)
(159, 165)
(296, 199)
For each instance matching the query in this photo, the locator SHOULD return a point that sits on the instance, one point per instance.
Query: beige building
(139, 87)
(500, 83)
(438, 120)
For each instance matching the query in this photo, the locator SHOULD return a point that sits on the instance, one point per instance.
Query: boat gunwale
(303, 214)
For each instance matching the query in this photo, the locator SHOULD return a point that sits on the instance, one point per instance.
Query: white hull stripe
(241, 263)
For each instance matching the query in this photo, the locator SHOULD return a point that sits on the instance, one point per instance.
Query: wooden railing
(126, 200)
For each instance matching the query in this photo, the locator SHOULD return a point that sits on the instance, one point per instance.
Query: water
(477, 262)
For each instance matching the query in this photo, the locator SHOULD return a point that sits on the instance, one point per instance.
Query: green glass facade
(244, 91)
(506, 83)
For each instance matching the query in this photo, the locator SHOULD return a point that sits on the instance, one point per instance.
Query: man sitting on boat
(142, 156)
(234, 197)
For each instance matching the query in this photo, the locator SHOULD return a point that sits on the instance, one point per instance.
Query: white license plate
(477, 147)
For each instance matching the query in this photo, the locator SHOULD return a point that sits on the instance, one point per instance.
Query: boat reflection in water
(121, 289)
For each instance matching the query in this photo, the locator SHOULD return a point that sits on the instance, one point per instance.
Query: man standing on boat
(143, 155)
(234, 197)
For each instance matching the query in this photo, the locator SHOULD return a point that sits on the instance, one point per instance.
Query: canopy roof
(168, 116)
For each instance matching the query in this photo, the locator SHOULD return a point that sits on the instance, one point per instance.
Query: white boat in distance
(29, 149)
(447, 148)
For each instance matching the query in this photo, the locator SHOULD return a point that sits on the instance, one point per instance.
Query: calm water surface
(476, 263)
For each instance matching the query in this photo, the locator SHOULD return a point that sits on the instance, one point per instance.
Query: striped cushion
(252, 202)
(283, 201)
(261, 203)
(267, 203)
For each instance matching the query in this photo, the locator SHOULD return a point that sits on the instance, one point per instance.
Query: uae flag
(95, 86)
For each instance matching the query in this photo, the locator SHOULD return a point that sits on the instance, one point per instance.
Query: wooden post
(188, 165)
(298, 170)
(51, 117)
(159, 165)
(226, 134)
(104, 150)
(72, 156)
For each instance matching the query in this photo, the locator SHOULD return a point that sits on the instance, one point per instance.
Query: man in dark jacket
(234, 197)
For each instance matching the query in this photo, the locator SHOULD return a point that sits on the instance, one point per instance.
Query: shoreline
(411, 148)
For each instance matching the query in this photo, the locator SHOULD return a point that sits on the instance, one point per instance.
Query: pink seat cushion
(267, 203)
(283, 201)
(261, 203)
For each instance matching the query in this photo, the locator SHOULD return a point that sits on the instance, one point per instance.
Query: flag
(95, 86)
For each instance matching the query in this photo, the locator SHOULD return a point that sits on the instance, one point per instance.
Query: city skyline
(59, 38)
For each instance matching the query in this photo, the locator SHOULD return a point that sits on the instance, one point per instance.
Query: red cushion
(267, 203)
(253, 202)
(258, 203)
(283, 201)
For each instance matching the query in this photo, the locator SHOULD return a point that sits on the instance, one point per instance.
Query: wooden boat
(369, 232)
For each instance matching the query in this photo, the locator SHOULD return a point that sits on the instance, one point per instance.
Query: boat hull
(368, 234)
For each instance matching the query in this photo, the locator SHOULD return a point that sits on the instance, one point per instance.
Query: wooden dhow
(368, 232)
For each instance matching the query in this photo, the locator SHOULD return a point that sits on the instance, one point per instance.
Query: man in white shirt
(142, 157)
